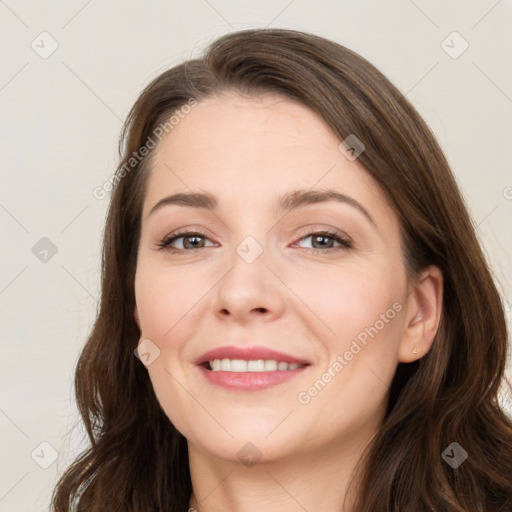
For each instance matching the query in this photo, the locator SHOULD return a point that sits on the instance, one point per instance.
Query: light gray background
(59, 125)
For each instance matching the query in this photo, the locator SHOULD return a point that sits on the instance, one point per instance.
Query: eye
(191, 240)
(324, 240)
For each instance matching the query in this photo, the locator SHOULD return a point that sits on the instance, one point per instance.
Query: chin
(246, 450)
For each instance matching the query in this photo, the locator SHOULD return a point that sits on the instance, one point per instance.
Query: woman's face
(258, 275)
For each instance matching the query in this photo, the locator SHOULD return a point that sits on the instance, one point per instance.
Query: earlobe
(424, 309)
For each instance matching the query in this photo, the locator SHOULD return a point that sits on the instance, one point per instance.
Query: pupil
(192, 238)
(321, 237)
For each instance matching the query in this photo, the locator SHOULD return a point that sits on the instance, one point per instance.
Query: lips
(248, 369)
(247, 354)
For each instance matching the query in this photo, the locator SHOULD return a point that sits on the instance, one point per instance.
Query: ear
(424, 308)
(136, 316)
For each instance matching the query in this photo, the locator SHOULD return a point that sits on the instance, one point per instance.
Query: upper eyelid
(307, 231)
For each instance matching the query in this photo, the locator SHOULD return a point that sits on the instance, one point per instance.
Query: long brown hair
(138, 461)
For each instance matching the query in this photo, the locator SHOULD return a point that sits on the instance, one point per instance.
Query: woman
(316, 328)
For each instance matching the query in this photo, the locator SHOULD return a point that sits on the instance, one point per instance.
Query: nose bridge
(249, 285)
(251, 236)
(249, 265)
(250, 249)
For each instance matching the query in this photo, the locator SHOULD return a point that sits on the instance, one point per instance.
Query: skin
(248, 151)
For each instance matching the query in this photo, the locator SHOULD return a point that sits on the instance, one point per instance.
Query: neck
(316, 481)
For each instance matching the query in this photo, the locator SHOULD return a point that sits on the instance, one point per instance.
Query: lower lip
(249, 381)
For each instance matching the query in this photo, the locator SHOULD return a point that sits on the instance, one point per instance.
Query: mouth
(249, 368)
(248, 359)
(252, 365)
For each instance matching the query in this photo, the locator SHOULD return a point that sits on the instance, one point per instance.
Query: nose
(250, 289)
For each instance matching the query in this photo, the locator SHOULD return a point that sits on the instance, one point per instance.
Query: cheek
(348, 300)
(168, 305)
(165, 297)
(363, 309)
(361, 357)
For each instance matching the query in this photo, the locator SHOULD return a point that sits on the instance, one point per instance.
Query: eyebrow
(289, 201)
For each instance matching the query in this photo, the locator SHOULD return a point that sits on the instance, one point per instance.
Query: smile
(249, 367)
(253, 365)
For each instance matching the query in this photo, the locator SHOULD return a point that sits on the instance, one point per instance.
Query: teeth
(256, 365)
(270, 366)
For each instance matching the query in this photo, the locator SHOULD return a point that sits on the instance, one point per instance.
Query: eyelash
(345, 244)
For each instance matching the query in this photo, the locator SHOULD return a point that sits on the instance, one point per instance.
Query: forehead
(261, 126)
(251, 149)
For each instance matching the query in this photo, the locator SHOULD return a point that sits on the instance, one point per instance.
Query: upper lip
(247, 353)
